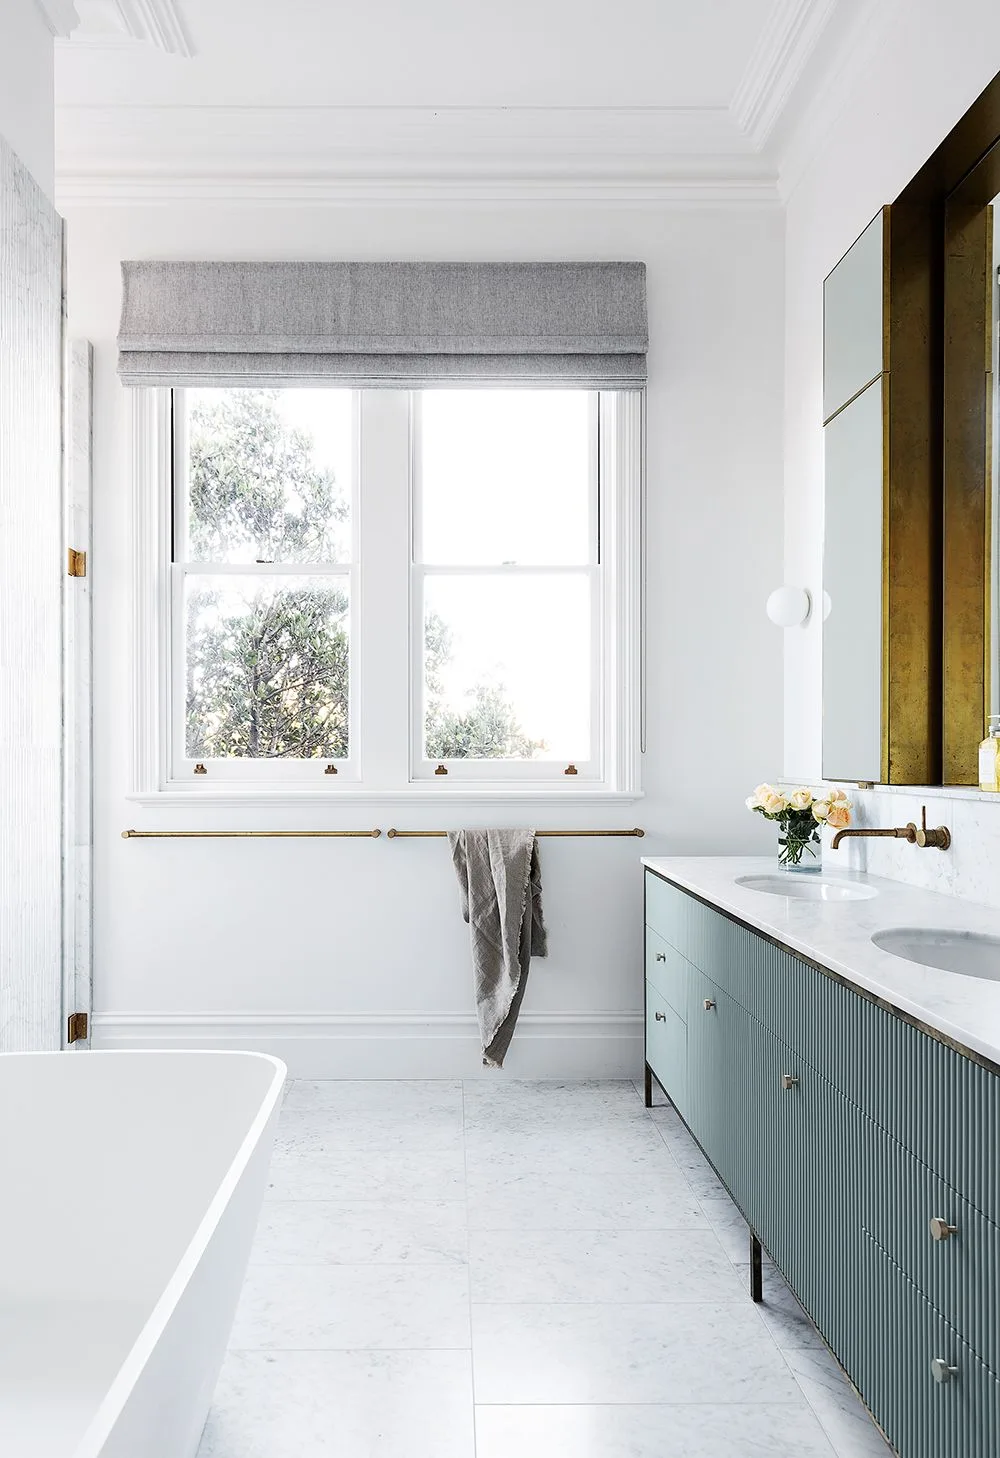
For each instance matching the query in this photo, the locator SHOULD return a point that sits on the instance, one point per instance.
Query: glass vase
(800, 852)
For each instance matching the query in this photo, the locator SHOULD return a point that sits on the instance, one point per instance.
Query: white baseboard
(394, 1045)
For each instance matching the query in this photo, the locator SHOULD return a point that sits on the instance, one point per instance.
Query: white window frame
(386, 678)
(262, 770)
(510, 771)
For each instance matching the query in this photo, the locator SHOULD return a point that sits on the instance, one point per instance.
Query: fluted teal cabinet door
(666, 1048)
(931, 1394)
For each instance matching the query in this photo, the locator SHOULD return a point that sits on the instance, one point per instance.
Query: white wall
(27, 114)
(929, 65)
(339, 938)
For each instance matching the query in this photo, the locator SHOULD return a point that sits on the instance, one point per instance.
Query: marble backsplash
(970, 869)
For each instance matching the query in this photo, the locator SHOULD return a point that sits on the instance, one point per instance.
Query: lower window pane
(507, 667)
(267, 667)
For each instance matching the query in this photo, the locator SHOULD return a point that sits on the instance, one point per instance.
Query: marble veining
(501, 1295)
(837, 935)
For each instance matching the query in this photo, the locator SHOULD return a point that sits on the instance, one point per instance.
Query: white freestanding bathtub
(130, 1185)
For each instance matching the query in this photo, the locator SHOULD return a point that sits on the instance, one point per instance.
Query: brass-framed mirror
(935, 656)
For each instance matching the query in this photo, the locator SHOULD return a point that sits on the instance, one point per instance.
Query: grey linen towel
(501, 887)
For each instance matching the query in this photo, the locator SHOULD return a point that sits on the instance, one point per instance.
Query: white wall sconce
(789, 606)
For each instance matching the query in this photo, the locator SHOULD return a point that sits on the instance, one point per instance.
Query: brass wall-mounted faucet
(938, 839)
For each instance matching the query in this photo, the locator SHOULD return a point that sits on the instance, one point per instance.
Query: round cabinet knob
(940, 1229)
(660, 1017)
(788, 1080)
(709, 1003)
(661, 956)
(941, 1370)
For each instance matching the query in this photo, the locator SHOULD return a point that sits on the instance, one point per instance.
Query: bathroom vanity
(849, 1099)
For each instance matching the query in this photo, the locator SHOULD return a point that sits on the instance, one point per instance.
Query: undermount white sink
(971, 954)
(807, 887)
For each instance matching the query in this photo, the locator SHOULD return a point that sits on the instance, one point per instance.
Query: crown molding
(724, 189)
(345, 155)
(60, 16)
(111, 24)
(789, 38)
(812, 113)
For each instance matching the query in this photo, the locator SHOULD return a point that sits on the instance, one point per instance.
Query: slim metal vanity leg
(756, 1272)
(648, 1089)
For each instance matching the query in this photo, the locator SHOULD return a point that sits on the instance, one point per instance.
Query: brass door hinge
(77, 1027)
(76, 562)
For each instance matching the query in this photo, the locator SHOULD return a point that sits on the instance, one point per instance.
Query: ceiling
(314, 97)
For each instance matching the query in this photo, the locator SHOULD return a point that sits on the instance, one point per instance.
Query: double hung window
(321, 538)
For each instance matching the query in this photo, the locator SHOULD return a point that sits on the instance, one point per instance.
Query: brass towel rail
(635, 833)
(248, 834)
(436, 834)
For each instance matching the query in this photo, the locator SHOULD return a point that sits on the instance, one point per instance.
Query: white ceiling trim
(811, 117)
(789, 38)
(117, 23)
(59, 15)
(405, 154)
(665, 189)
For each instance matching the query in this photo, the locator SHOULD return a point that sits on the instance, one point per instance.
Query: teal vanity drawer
(713, 1036)
(957, 1269)
(899, 1342)
(666, 1048)
(667, 971)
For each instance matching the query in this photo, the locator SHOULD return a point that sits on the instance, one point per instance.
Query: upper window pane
(507, 476)
(269, 475)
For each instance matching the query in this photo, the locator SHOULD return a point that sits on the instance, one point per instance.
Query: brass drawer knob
(788, 1080)
(709, 1003)
(661, 956)
(940, 1229)
(941, 1370)
(660, 1017)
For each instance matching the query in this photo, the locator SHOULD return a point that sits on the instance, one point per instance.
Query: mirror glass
(994, 537)
(853, 398)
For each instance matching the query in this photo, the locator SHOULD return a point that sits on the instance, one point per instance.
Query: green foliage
(267, 660)
(487, 730)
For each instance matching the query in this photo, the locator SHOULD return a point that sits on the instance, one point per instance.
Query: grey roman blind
(393, 324)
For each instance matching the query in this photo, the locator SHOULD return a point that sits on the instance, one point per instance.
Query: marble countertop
(837, 935)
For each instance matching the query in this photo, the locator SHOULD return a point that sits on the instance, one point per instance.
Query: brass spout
(897, 832)
(937, 839)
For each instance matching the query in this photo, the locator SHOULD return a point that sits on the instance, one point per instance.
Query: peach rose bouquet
(801, 816)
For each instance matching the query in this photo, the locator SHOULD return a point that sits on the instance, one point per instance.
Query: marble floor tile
(546, 1105)
(392, 1098)
(614, 1145)
(342, 1405)
(602, 1353)
(601, 1265)
(653, 1430)
(359, 1232)
(781, 1313)
(729, 1226)
(655, 1198)
(321, 1132)
(368, 1175)
(352, 1307)
(837, 1406)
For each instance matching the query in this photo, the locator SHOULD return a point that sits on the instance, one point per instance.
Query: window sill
(250, 797)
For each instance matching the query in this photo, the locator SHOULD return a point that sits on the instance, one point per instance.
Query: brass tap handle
(940, 1229)
(938, 839)
(788, 1080)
